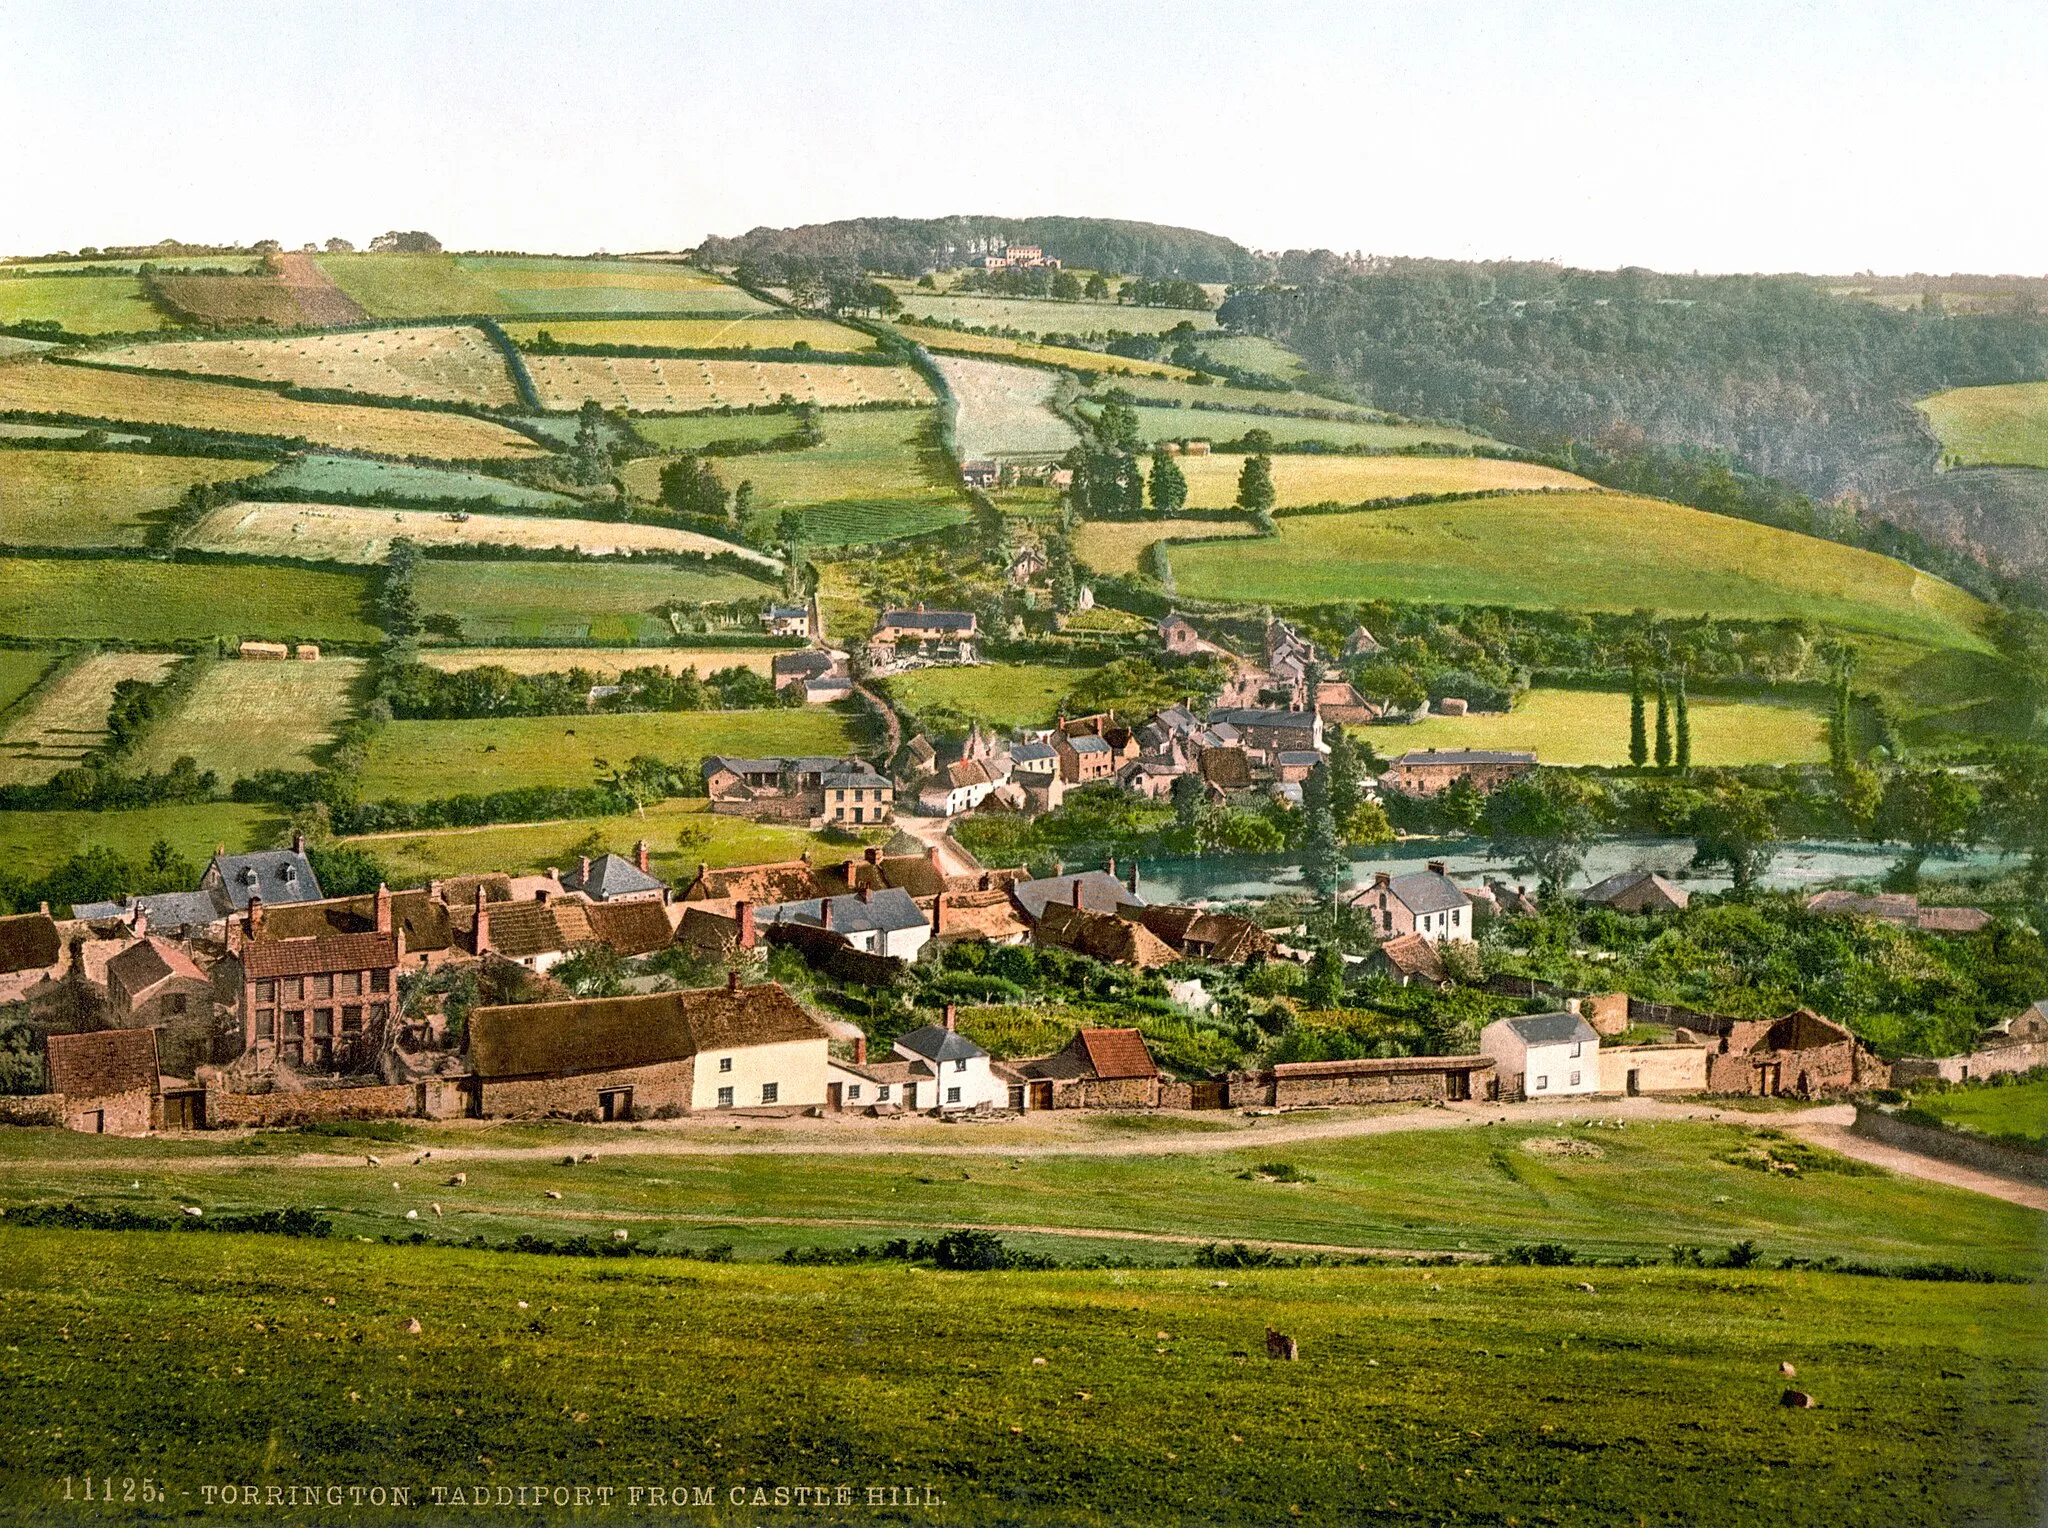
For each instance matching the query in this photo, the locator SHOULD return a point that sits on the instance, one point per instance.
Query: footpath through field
(1829, 1129)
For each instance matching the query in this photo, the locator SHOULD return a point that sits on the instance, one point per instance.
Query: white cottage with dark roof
(1428, 903)
(1543, 1054)
(886, 922)
(961, 1074)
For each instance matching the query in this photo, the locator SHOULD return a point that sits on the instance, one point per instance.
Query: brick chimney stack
(867, 892)
(640, 856)
(298, 843)
(255, 921)
(1134, 878)
(860, 1050)
(141, 923)
(584, 871)
(952, 1017)
(1109, 865)
(483, 921)
(743, 914)
(383, 908)
(1381, 880)
(1077, 892)
(938, 915)
(824, 912)
(1436, 867)
(873, 855)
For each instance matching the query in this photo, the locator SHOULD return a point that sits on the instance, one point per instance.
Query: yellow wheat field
(683, 386)
(609, 662)
(1212, 480)
(95, 393)
(446, 364)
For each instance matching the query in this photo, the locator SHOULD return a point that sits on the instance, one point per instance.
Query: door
(1017, 1096)
(1767, 1079)
(98, 1120)
(1041, 1095)
(1635, 1082)
(1458, 1086)
(615, 1104)
(834, 1096)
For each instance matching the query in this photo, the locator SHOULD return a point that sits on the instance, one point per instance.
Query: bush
(1539, 1255)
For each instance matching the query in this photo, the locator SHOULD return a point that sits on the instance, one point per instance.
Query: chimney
(873, 855)
(1436, 867)
(732, 980)
(1109, 866)
(988, 882)
(640, 856)
(255, 918)
(298, 843)
(583, 872)
(824, 912)
(743, 915)
(1059, 867)
(1381, 880)
(141, 923)
(383, 908)
(555, 873)
(1571, 1006)
(938, 915)
(860, 1050)
(483, 921)
(43, 908)
(541, 895)
(867, 892)
(1076, 883)
(952, 1017)
(932, 857)
(1134, 878)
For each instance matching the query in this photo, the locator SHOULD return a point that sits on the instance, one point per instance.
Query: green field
(1101, 1397)
(571, 601)
(1302, 480)
(994, 694)
(1182, 394)
(693, 432)
(97, 498)
(315, 476)
(425, 759)
(142, 601)
(1252, 352)
(1583, 551)
(1591, 727)
(429, 286)
(66, 719)
(681, 835)
(21, 670)
(35, 843)
(82, 304)
(758, 331)
(1044, 315)
(1217, 425)
(874, 478)
(2017, 1109)
(242, 717)
(2004, 426)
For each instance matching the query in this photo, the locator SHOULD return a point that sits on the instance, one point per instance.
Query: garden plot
(242, 717)
(345, 533)
(686, 386)
(449, 364)
(1005, 410)
(65, 720)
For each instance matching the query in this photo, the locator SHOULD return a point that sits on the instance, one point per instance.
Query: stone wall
(127, 1113)
(2023, 1057)
(32, 1109)
(1658, 1068)
(1370, 1088)
(1106, 1093)
(225, 1110)
(1951, 1146)
(666, 1085)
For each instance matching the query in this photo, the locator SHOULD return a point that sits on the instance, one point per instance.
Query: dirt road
(1833, 1134)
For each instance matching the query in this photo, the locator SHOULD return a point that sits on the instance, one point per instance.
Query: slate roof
(611, 875)
(856, 777)
(276, 875)
(805, 664)
(788, 613)
(1426, 892)
(935, 1042)
(1301, 758)
(29, 942)
(1032, 753)
(1552, 1029)
(1262, 716)
(102, 1063)
(1101, 892)
(1461, 756)
(267, 958)
(927, 620)
(886, 911)
(166, 909)
(603, 1034)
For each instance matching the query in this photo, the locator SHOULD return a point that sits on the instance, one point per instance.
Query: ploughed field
(454, 364)
(1594, 551)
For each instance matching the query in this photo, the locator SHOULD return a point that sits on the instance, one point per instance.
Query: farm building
(729, 1047)
(1097, 1069)
(1430, 771)
(1101, 936)
(1637, 891)
(1543, 1055)
(811, 789)
(1266, 731)
(937, 636)
(30, 954)
(156, 984)
(1387, 1079)
(109, 1080)
(1223, 939)
(1677, 1067)
(1799, 1054)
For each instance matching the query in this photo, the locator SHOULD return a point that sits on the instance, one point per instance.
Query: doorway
(615, 1104)
(1635, 1082)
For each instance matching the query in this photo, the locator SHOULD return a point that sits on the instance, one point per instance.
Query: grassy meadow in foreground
(424, 759)
(1596, 551)
(1591, 727)
(2003, 426)
(143, 601)
(1489, 1394)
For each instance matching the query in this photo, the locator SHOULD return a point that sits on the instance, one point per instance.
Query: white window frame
(1575, 1079)
(725, 1063)
(725, 1098)
(771, 1092)
(1576, 1045)
(1543, 1083)
(952, 1095)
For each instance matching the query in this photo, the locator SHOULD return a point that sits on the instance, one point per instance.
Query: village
(253, 999)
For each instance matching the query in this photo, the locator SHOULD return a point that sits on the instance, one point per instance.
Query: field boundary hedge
(515, 363)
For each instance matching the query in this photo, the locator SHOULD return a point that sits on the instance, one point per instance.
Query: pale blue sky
(1714, 136)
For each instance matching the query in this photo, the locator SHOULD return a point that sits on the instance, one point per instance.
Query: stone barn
(108, 1078)
(1097, 1069)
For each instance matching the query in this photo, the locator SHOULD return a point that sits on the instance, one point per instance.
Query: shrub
(1539, 1255)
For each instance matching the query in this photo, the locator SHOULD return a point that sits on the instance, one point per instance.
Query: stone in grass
(1788, 1371)
(1279, 1345)
(412, 1326)
(554, 1193)
(1797, 1399)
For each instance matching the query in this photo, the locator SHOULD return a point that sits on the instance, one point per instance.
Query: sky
(1832, 138)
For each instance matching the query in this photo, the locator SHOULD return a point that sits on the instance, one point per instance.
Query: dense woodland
(908, 246)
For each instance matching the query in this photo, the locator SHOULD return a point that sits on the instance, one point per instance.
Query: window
(1542, 1083)
(1456, 914)
(768, 1092)
(960, 1066)
(1575, 1049)
(725, 1063)
(1575, 1079)
(952, 1095)
(882, 1092)
(175, 1003)
(725, 1098)
(853, 1090)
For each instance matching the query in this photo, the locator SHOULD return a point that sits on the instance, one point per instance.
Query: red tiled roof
(1118, 1053)
(268, 958)
(102, 1063)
